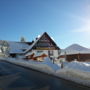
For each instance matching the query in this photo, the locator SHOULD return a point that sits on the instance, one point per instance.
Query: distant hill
(75, 48)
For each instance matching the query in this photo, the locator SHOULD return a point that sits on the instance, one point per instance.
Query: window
(39, 51)
(50, 53)
(43, 44)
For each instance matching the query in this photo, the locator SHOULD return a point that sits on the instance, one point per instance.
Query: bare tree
(22, 39)
(5, 47)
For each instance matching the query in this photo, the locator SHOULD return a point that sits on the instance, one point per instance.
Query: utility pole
(63, 61)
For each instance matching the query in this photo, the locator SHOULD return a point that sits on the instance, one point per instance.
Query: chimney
(36, 38)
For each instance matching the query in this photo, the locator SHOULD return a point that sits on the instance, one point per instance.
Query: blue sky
(67, 21)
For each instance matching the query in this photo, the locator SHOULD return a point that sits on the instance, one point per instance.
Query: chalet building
(42, 47)
(38, 49)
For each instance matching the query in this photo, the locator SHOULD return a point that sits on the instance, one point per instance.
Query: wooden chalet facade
(42, 47)
(77, 56)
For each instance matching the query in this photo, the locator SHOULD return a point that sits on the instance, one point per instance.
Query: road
(14, 77)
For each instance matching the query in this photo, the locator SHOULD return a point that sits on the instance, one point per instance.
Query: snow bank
(48, 62)
(78, 72)
(47, 66)
(83, 66)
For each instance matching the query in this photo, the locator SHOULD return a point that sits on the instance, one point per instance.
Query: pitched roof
(17, 47)
(38, 40)
(33, 44)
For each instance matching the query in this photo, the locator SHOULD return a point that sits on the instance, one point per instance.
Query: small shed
(79, 56)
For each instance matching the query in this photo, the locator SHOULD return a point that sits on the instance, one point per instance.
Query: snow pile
(47, 66)
(48, 62)
(76, 71)
(83, 66)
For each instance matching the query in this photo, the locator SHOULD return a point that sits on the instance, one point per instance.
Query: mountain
(75, 48)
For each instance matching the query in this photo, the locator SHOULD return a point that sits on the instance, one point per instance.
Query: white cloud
(84, 20)
(85, 27)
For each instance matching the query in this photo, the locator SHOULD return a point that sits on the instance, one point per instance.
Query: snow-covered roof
(17, 47)
(34, 43)
(69, 52)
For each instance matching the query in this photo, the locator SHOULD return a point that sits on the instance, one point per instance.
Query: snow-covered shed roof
(17, 47)
(69, 52)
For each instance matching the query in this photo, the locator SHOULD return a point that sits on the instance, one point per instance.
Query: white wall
(55, 53)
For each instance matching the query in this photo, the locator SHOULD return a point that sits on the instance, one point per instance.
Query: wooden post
(65, 56)
(53, 60)
(78, 56)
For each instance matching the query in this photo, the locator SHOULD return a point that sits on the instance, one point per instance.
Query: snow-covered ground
(78, 72)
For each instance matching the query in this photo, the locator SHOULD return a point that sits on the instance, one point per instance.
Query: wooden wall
(79, 57)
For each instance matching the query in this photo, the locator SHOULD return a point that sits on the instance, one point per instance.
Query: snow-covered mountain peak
(77, 47)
